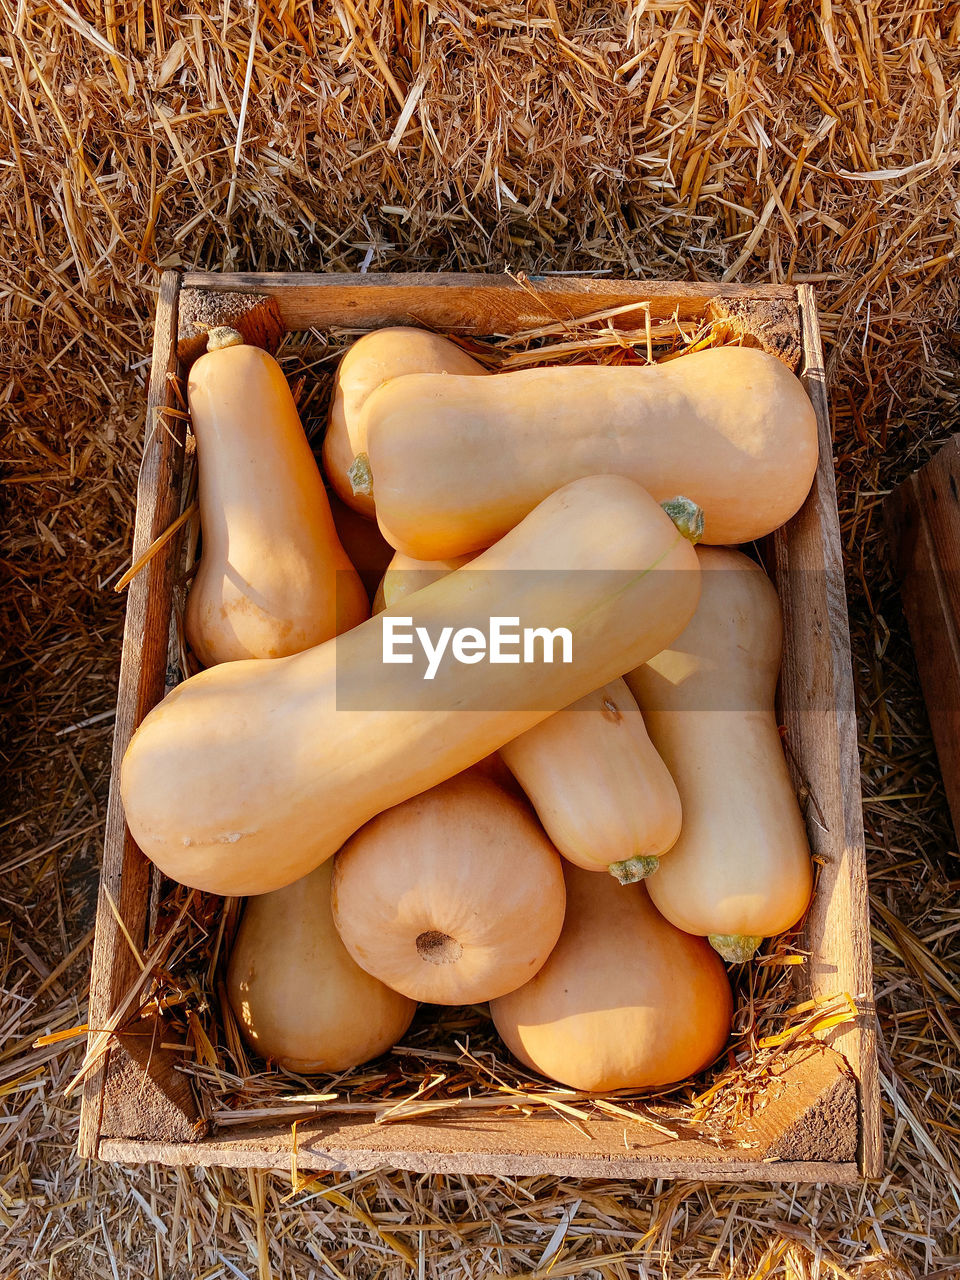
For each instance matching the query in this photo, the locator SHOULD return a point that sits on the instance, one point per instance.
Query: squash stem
(223, 336)
(360, 475)
(687, 516)
(630, 870)
(733, 947)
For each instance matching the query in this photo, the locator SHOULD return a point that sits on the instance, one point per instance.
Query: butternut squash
(453, 897)
(248, 775)
(273, 578)
(370, 362)
(626, 1001)
(457, 462)
(404, 575)
(603, 794)
(740, 870)
(298, 997)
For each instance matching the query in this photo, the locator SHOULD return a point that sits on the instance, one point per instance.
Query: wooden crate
(822, 1120)
(923, 527)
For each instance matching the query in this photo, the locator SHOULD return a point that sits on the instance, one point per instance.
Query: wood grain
(819, 711)
(274, 1153)
(815, 1109)
(813, 1092)
(125, 873)
(255, 315)
(450, 303)
(923, 528)
(144, 1096)
(772, 324)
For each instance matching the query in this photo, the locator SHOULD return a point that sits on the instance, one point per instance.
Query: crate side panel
(799, 1124)
(504, 1161)
(819, 710)
(923, 529)
(125, 872)
(477, 304)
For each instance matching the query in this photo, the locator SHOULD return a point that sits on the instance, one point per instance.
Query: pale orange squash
(298, 997)
(456, 462)
(250, 774)
(626, 1001)
(603, 794)
(453, 897)
(273, 578)
(741, 869)
(373, 360)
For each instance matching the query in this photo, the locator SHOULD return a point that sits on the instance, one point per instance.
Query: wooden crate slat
(144, 1094)
(802, 1139)
(923, 527)
(805, 1126)
(256, 316)
(125, 873)
(819, 709)
(471, 304)
(495, 1164)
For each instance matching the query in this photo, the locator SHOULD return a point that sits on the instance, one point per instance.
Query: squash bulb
(299, 998)
(453, 897)
(626, 1001)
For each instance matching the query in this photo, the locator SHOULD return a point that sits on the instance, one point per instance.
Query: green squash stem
(687, 516)
(360, 475)
(630, 870)
(735, 948)
(223, 336)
